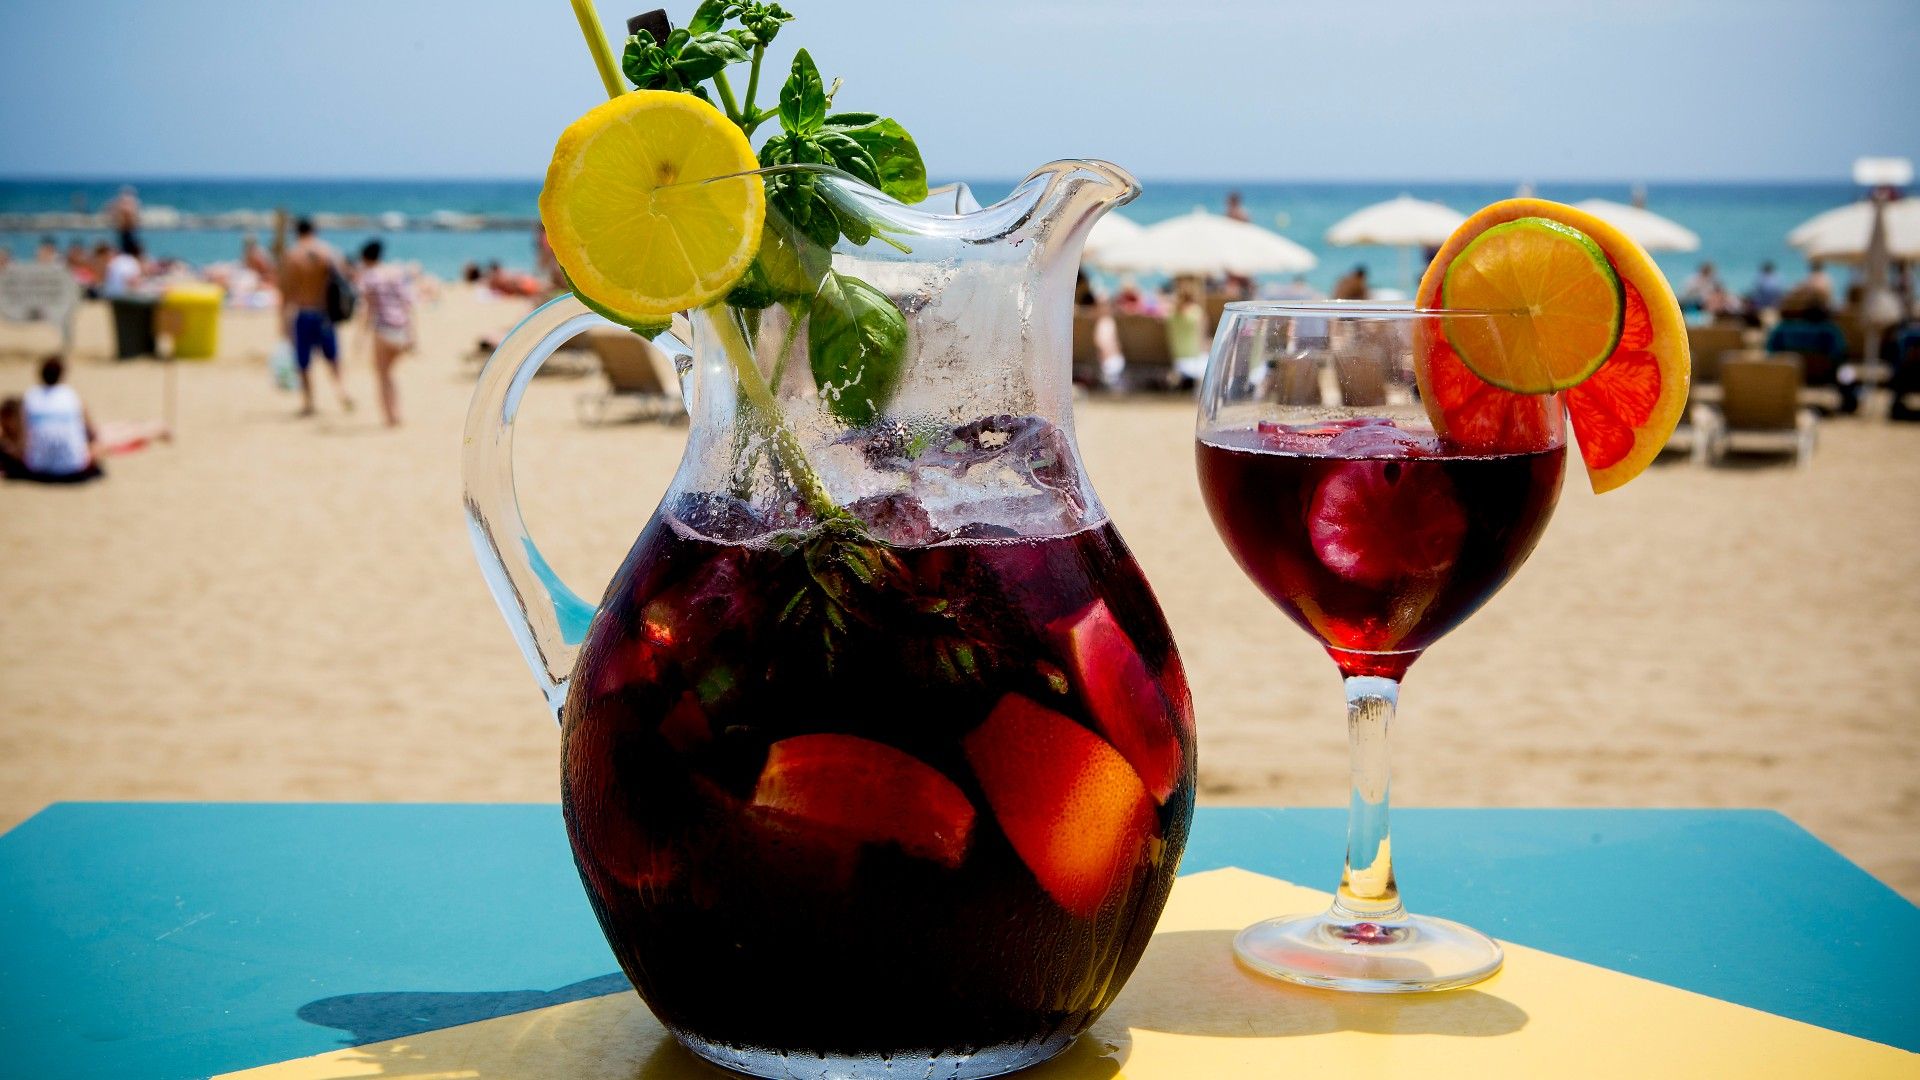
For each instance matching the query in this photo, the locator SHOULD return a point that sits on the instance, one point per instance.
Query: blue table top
(183, 940)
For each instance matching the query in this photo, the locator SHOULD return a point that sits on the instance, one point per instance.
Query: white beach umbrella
(1644, 227)
(1108, 231)
(1843, 233)
(1204, 243)
(1402, 222)
(1405, 223)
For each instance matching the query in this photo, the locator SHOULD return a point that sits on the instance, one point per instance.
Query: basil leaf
(647, 65)
(779, 274)
(708, 16)
(857, 347)
(848, 219)
(706, 55)
(763, 20)
(803, 99)
(896, 157)
(849, 155)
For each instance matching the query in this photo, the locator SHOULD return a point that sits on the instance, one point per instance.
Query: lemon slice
(1567, 296)
(638, 233)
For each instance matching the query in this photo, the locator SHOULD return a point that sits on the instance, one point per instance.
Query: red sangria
(856, 790)
(1378, 537)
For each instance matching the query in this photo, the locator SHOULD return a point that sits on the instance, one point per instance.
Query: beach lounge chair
(1143, 341)
(1759, 410)
(1292, 380)
(1361, 378)
(1709, 346)
(41, 292)
(636, 371)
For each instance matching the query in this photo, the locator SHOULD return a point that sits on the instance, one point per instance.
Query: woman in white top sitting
(59, 442)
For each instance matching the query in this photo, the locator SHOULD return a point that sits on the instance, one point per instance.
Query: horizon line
(343, 178)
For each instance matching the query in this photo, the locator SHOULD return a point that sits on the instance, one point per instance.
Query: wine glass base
(1408, 955)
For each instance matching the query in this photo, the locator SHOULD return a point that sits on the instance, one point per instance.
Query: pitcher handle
(548, 620)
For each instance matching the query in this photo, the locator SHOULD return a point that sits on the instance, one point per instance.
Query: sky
(1655, 90)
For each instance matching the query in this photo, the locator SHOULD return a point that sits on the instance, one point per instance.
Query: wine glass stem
(1367, 889)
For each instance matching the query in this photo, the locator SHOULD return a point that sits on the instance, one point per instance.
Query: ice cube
(719, 516)
(1028, 446)
(898, 518)
(885, 446)
(1382, 441)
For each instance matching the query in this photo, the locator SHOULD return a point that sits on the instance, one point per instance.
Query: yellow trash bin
(192, 312)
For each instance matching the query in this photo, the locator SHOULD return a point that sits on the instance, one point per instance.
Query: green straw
(597, 45)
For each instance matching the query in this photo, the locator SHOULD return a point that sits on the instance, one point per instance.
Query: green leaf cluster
(857, 339)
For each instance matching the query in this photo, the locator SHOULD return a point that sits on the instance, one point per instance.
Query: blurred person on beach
(48, 252)
(255, 258)
(58, 443)
(77, 263)
(1237, 207)
(1187, 331)
(1703, 285)
(1767, 291)
(13, 438)
(389, 298)
(545, 264)
(1353, 286)
(510, 283)
(1817, 281)
(305, 271)
(123, 213)
(1806, 327)
(124, 272)
(1084, 294)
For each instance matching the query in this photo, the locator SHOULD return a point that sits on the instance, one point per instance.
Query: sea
(1740, 225)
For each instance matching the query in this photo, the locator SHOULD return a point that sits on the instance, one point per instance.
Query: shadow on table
(1188, 984)
(392, 1014)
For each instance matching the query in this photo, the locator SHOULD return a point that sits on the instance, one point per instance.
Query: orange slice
(1560, 282)
(1622, 413)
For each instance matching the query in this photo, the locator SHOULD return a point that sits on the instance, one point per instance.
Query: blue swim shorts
(313, 330)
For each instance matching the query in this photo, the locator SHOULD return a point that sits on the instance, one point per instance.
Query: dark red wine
(1375, 538)
(838, 796)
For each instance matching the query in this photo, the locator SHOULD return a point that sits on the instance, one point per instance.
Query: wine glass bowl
(1377, 531)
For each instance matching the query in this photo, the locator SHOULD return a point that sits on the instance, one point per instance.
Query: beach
(284, 609)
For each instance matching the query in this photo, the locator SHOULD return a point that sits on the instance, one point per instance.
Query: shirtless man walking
(304, 271)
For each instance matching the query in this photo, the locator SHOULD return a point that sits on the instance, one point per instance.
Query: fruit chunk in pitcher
(970, 757)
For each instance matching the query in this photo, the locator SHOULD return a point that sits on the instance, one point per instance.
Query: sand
(275, 608)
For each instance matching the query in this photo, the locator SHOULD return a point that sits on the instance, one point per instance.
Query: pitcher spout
(1058, 203)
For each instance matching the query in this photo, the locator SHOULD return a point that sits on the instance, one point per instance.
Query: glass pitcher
(876, 751)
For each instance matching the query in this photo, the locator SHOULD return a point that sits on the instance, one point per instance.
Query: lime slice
(1567, 299)
(637, 232)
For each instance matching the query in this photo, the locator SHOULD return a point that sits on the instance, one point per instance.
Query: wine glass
(1377, 533)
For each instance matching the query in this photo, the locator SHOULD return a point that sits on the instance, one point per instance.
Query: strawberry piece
(868, 792)
(1122, 695)
(1376, 522)
(1074, 810)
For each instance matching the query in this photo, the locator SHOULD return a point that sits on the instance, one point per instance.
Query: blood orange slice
(1622, 413)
